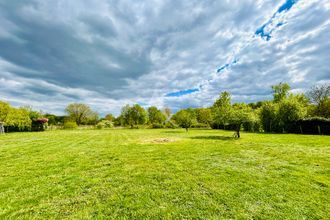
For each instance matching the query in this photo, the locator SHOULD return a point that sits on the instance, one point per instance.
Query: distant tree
(280, 91)
(256, 105)
(132, 116)
(204, 116)
(320, 97)
(18, 119)
(33, 114)
(238, 114)
(290, 110)
(109, 117)
(323, 109)
(221, 109)
(167, 113)
(318, 93)
(51, 119)
(156, 116)
(81, 113)
(4, 111)
(223, 101)
(185, 118)
(268, 116)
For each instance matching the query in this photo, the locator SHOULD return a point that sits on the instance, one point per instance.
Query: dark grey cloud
(109, 53)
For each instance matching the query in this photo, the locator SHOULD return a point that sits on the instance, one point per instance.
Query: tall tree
(204, 116)
(155, 116)
(167, 113)
(4, 111)
(280, 91)
(237, 116)
(185, 118)
(109, 117)
(135, 115)
(222, 108)
(81, 113)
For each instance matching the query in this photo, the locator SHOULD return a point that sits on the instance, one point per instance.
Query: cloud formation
(166, 53)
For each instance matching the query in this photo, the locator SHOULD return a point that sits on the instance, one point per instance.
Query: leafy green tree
(185, 118)
(18, 118)
(221, 109)
(132, 116)
(238, 114)
(34, 115)
(268, 116)
(4, 110)
(109, 117)
(81, 113)
(167, 113)
(204, 116)
(223, 101)
(290, 110)
(156, 116)
(280, 91)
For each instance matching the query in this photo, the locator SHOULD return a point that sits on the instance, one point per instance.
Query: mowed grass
(139, 174)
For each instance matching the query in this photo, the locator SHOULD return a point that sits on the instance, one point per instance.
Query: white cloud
(109, 53)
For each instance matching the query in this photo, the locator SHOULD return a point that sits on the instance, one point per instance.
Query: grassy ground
(138, 174)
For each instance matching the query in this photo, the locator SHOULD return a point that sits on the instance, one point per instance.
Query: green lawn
(138, 174)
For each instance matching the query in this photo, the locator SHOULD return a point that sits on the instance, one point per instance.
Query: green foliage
(322, 109)
(290, 110)
(18, 118)
(238, 114)
(109, 117)
(268, 116)
(170, 124)
(34, 115)
(167, 113)
(104, 124)
(155, 116)
(4, 110)
(70, 125)
(204, 116)
(133, 116)
(81, 113)
(252, 122)
(223, 101)
(280, 91)
(156, 125)
(185, 118)
(221, 109)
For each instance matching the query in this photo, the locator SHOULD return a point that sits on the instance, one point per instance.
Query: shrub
(70, 125)
(170, 124)
(157, 125)
(314, 125)
(104, 124)
(200, 125)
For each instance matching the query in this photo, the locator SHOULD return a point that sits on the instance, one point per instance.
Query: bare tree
(319, 93)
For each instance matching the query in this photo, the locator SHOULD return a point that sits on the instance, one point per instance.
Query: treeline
(286, 113)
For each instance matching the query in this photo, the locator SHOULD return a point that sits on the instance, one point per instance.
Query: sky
(167, 53)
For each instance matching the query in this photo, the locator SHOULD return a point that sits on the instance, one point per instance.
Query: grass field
(138, 174)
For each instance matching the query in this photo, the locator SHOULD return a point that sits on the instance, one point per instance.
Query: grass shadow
(223, 138)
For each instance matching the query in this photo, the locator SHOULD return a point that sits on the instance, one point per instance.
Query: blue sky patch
(181, 93)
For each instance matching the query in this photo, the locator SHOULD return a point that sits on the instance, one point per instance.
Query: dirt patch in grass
(160, 140)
